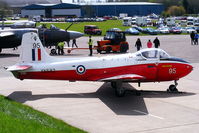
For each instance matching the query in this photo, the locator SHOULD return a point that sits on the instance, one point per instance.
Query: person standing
(149, 44)
(90, 44)
(60, 48)
(156, 42)
(192, 35)
(138, 44)
(68, 42)
(74, 43)
(196, 38)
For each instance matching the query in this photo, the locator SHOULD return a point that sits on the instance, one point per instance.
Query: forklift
(114, 41)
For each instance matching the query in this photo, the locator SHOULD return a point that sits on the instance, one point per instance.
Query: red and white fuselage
(148, 65)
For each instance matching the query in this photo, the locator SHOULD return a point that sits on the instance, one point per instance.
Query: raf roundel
(81, 69)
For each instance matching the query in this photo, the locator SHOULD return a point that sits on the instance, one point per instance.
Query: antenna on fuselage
(69, 26)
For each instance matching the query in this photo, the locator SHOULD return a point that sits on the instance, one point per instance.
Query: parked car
(92, 30)
(175, 30)
(15, 18)
(140, 29)
(196, 24)
(197, 29)
(114, 29)
(188, 30)
(4, 19)
(100, 19)
(150, 31)
(132, 31)
(163, 30)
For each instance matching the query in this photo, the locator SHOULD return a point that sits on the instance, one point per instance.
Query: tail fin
(32, 49)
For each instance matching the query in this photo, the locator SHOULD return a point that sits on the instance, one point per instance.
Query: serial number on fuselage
(48, 70)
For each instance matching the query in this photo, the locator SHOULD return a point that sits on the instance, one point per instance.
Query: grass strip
(18, 118)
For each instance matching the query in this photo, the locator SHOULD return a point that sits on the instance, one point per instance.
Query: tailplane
(32, 49)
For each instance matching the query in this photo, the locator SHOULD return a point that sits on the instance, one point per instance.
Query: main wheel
(113, 84)
(123, 48)
(172, 88)
(99, 51)
(53, 52)
(108, 49)
(120, 92)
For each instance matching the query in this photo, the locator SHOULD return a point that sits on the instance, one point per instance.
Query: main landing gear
(119, 90)
(172, 87)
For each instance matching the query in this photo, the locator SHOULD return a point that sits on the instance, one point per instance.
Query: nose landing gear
(172, 87)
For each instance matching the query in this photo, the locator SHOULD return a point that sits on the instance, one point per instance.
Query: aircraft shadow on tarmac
(128, 105)
(8, 55)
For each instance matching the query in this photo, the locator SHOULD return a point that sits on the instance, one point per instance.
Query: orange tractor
(114, 41)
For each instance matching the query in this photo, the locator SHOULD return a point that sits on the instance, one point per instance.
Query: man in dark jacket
(192, 35)
(156, 42)
(74, 43)
(138, 44)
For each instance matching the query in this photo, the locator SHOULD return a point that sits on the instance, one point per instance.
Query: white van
(127, 21)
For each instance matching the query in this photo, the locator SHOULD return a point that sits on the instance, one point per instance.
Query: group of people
(60, 46)
(194, 38)
(194, 41)
(156, 42)
(138, 45)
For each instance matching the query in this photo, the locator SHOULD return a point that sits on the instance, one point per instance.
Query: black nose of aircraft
(75, 34)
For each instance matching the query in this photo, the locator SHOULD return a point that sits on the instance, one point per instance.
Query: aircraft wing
(124, 77)
(18, 67)
(6, 34)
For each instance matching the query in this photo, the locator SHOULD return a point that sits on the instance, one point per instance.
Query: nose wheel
(53, 52)
(173, 87)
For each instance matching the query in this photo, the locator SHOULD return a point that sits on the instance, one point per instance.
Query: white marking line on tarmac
(148, 114)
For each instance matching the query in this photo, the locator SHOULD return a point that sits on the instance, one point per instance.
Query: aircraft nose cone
(75, 34)
(188, 69)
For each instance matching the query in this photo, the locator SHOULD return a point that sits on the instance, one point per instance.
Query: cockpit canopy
(153, 53)
(53, 27)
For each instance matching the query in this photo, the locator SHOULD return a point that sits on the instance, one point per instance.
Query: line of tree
(172, 7)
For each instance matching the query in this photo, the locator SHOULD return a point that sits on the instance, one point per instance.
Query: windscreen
(110, 35)
(163, 55)
(152, 54)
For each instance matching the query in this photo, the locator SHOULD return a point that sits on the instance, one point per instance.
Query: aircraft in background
(11, 38)
(147, 65)
(21, 24)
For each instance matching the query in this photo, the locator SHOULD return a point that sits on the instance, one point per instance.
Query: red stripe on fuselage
(39, 54)
(151, 72)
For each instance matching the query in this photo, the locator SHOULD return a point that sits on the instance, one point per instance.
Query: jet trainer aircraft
(21, 24)
(148, 65)
(11, 38)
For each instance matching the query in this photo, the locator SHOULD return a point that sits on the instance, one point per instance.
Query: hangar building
(92, 10)
(52, 10)
(130, 8)
(16, 5)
